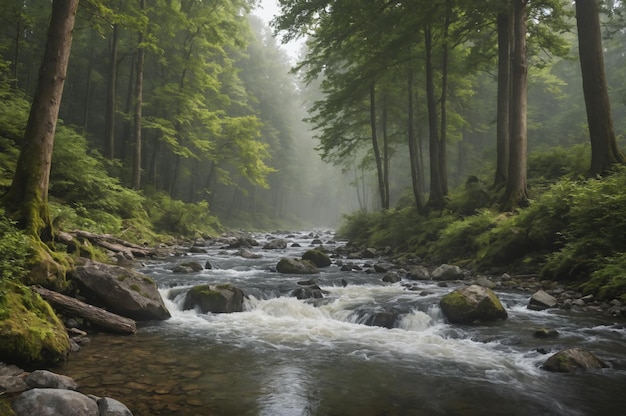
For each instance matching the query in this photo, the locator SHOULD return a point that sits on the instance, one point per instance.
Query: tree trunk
(516, 193)
(443, 138)
(109, 121)
(413, 154)
(136, 175)
(28, 195)
(436, 198)
(504, 88)
(97, 316)
(604, 151)
(377, 158)
(385, 153)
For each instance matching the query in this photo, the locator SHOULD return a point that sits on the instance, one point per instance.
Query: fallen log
(115, 244)
(93, 314)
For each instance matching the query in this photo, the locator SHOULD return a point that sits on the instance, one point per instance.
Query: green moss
(122, 277)
(5, 407)
(30, 332)
(135, 287)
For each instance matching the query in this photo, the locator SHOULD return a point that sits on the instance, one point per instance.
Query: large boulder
(295, 266)
(120, 290)
(447, 272)
(541, 300)
(317, 257)
(573, 359)
(472, 303)
(31, 332)
(54, 402)
(214, 299)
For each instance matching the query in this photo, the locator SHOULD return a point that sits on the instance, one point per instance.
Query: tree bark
(436, 198)
(28, 196)
(504, 88)
(93, 314)
(136, 175)
(413, 154)
(604, 150)
(377, 158)
(386, 155)
(109, 121)
(516, 194)
(443, 137)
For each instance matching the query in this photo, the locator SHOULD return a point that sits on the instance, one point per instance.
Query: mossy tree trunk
(604, 151)
(27, 199)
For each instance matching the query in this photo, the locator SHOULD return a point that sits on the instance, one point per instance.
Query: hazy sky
(266, 10)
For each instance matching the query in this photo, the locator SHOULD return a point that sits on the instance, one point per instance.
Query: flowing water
(284, 356)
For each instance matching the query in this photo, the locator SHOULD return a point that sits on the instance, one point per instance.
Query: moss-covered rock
(295, 266)
(30, 332)
(573, 359)
(471, 304)
(317, 257)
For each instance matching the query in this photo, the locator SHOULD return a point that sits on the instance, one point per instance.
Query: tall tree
(136, 174)
(604, 150)
(516, 193)
(504, 88)
(28, 195)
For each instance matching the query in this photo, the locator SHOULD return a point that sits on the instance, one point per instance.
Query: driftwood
(95, 315)
(117, 245)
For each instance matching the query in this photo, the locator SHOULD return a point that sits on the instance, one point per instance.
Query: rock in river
(472, 303)
(123, 291)
(573, 359)
(295, 266)
(214, 299)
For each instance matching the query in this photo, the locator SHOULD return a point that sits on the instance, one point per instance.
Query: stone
(111, 407)
(368, 253)
(447, 272)
(12, 384)
(317, 257)
(214, 299)
(193, 265)
(471, 304)
(122, 291)
(276, 244)
(418, 273)
(541, 300)
(573, 359)
(48, 379)
(484, 282)
(545, 333)
(54, 402)
(296, 266)
(384, 319)
(391, 277)
(247, 254)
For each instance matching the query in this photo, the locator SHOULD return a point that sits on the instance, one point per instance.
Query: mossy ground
(30, 332)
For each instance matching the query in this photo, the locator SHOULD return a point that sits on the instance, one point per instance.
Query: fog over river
(284, 356)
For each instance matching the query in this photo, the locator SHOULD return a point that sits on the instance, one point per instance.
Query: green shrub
(174, 216)
(15, 250)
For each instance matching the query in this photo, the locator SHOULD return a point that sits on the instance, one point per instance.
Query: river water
(284, 356)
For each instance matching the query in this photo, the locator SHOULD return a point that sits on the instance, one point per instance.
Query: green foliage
(15, 249)
(175, 216)
(609, 280)
(595, 227)
(559, 162)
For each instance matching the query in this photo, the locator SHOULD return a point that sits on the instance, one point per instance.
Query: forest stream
(284, 356)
